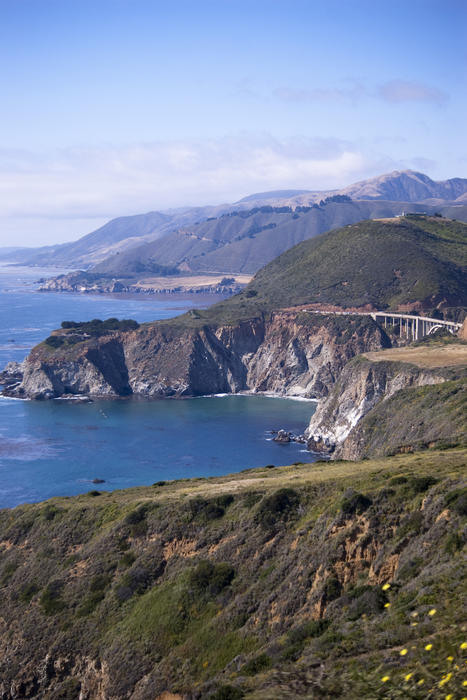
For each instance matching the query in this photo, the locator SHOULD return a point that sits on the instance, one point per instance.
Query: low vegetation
(331, 579)
(77, 331)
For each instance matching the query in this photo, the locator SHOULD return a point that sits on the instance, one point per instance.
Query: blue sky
(114, 107)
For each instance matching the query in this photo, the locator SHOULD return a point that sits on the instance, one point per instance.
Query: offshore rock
(282, 436)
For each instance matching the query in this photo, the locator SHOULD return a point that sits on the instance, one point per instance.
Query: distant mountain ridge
(173, 228)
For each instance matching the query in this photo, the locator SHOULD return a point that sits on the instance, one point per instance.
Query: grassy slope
(381, 263)
(118, 577)
(373, 262)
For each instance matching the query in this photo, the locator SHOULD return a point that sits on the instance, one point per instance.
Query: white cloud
(95, 184)
(409, 91)
(396, 91)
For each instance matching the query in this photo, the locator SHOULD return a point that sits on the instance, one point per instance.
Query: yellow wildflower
(432, 612)
(408, 676)
(428, 647)
(421, 681)
(205, 664)
(387, 605)
(413, 624)
(403, 652)
(450, 658)
(463, 645)
(449, 697)
(386, 587)
(464, 683)
(445, 679)
(385, 679)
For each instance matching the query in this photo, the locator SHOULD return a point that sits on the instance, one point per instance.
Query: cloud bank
(48, 198)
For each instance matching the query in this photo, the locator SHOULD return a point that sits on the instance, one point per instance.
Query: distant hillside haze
(213, 239)
(245, 241)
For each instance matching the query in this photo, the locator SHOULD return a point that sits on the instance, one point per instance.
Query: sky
(117, 107)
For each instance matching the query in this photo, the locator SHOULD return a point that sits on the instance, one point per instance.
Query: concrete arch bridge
(414, 327)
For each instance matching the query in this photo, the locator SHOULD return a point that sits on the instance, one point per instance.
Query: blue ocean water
(57, 448)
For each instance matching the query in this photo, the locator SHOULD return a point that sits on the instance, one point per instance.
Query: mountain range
(243, 236)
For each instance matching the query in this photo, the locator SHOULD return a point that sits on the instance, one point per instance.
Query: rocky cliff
(381, 407)
(285, 352)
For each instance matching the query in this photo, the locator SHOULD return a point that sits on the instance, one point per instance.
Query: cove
(56, 448)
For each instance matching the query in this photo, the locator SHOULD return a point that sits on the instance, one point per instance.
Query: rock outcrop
(360, 388)
(288, 353)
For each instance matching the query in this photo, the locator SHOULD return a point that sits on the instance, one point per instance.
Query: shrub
(127, 559)
(332, 588)
(411, 523)
(50, 600)
(8, 571)
(397, 480)
(211, 578)
(312, 628)
(28, 591)
(368, 600)
(225, 500)
(213, 511)
(94, 493)
(260, 663)
(209, 510)
(251, 499)
(297, 637)
(277, 506)
(410, 569)
(457, 501)
(90, 603)
(454, 543)
(55, 341)
(420, 484)
(137, 521)
(137, 580)
(355, 503)
(49, 512)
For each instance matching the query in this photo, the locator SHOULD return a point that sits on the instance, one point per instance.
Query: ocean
(57, 448)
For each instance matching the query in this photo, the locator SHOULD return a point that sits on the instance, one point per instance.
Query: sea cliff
(379, 407)
(284, 352)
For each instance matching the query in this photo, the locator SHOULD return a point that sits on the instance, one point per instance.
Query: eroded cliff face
(361, 386)
(288, 353)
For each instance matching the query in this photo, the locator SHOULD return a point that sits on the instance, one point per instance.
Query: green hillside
(374, 262)
(324, 580)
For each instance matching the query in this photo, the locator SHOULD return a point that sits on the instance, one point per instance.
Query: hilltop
(315, 580)
(415, 262)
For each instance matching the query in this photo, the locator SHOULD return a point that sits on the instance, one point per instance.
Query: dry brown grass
(424, 356)
(188, 282)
